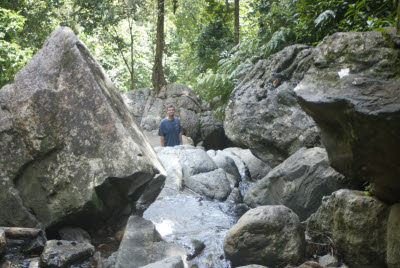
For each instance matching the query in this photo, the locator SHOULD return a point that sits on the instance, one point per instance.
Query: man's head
(170, 110)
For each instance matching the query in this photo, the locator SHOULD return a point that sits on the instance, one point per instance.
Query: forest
(203, 44)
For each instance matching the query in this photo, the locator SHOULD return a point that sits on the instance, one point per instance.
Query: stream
(184, 217)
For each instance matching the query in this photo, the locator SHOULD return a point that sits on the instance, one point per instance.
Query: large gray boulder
(299, 183)
(267, 235)
(142, 245)
(213, 184)
(357, 225)
(256, 167)
(228, 165)
(70, 149)
(352, 93)
(263, 114)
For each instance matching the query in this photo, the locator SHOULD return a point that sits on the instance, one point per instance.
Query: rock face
(299, 183)
(62, 253)
(142, 245)
(197, 120)
(257, 168)
(263, 114)
(267, 235)
(70, 149)
(357, 225)
(213, 184)
(393, 237)
(352, 93)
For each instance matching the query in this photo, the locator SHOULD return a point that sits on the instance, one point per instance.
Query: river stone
(352, 93)
(262, 113)
(70, 149)
(257, 168)
(142, 245)
(357, 225)
(213, 184)
(299, 183)
(228, 165)
(170, 262)
(195, 161)
(267, 235)
(62, 253)
(393, 237)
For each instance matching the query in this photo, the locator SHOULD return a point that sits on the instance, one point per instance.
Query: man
(170, 130)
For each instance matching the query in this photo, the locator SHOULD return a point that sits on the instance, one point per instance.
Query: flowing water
(183, 217)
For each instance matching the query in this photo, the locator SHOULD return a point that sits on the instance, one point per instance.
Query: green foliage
(214, 39)
(12, 56)
(285, 22)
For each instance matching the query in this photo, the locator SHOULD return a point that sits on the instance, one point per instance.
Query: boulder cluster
(309, 152)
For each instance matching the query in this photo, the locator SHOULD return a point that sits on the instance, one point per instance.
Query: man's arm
(180, 138)
(162, 141)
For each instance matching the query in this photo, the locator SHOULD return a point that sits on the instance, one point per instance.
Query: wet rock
(70, 149)
(182, 162)
(228, 165)
(240, 164)
(142, 245)
(235, 196)
(263, 114)
(34, 245)
(74, 234)
(196, 248)
(268, 235)
(352, 93)
(213, 184)
(153, 188)
(393, 237)
(257, 168)
(62, 253)
(356, 224)
(299, 183)
(110, 261)
(3, 243)
(170, 262)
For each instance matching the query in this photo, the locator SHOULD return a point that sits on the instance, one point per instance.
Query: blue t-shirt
(170, 129)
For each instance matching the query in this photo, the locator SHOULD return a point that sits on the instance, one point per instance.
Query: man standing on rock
(170, 130)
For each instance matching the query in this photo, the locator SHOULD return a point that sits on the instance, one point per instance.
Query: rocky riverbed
(317, 186)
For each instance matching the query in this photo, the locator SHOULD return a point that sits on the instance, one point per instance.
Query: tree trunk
(158, 77)
(237, 25)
